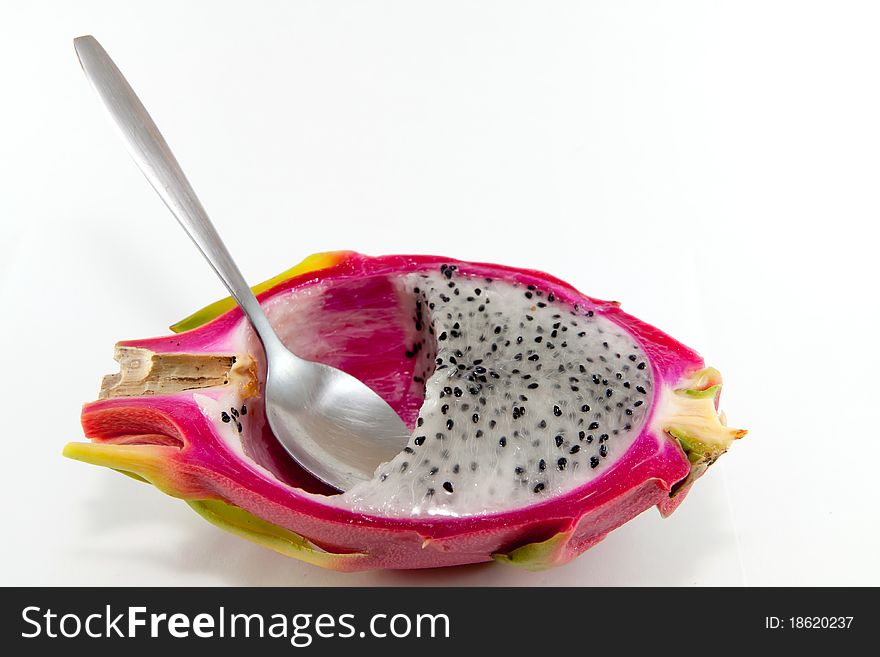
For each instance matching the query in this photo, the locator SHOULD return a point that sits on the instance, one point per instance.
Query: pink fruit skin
(179, 451)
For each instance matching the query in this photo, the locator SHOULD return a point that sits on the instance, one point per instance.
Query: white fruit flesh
(528, 399)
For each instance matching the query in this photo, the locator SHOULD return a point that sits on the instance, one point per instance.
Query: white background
(714, 165)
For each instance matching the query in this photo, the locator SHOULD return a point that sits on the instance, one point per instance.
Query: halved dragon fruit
(542, 419)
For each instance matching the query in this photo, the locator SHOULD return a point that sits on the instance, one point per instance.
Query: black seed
(234, 412)
(542, 465)
(543, 424)
(538, 339)
(408, 449)
(641, 366)
(585, 408)
(225, 416)
(638, 403)
(538, 487)
(603, 450)
(456, 468)
(609, 392)
(479, 433)
(532, 386)
(447, 486)
(419, 440)
(594, 462)
(450, 424)
(420, 421)
(557, 411)
(434, 470)
(593, 425)
(518, 470)
(243, 409)
(475, 417)
(559, 440)
(561, 463)
(502, 441)
(429, 493)
(238, 426)
(442, 336)
(404, 466)
(641, 389)
(444, 409)
(581, 434)
(574, 449)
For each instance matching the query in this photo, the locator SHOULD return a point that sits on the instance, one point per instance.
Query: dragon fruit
(541, 418)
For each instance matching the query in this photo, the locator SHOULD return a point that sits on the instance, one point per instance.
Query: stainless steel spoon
(331, 423)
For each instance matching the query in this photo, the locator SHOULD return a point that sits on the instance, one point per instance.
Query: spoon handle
(156, 161)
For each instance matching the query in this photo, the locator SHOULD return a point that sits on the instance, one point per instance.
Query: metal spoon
(331, 423)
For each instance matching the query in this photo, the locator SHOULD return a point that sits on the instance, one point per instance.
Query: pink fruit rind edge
(169, 443)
